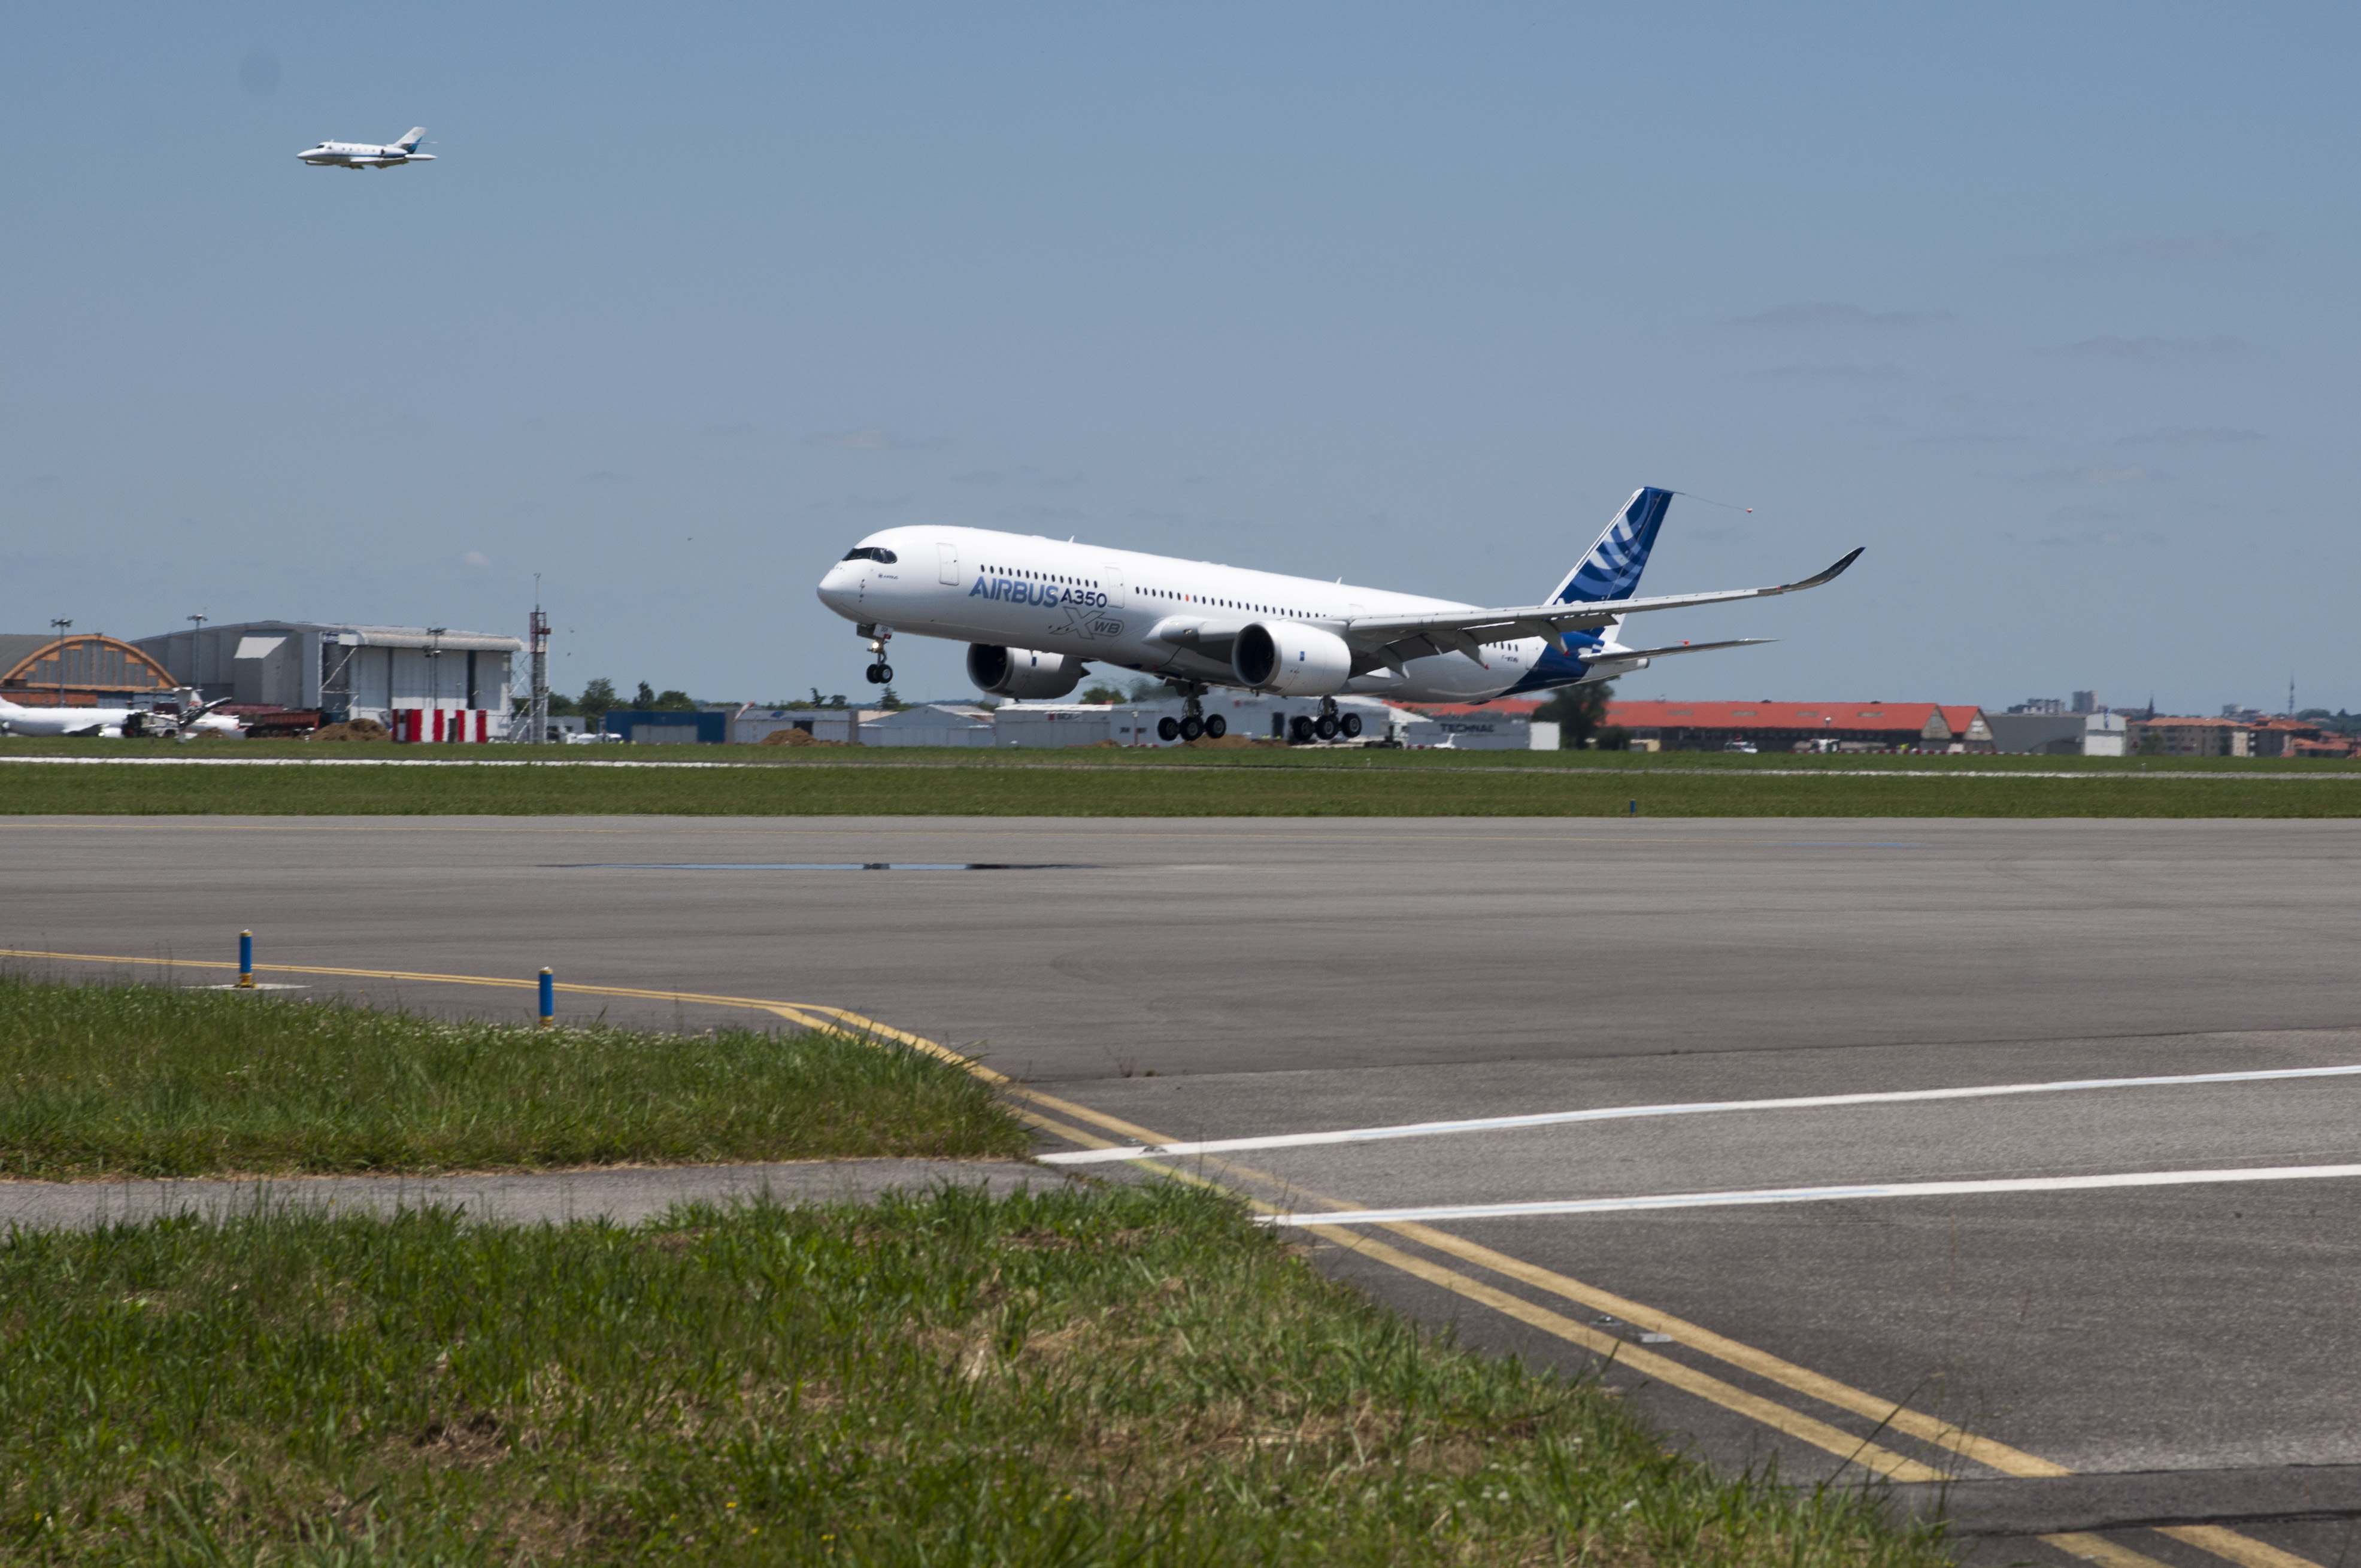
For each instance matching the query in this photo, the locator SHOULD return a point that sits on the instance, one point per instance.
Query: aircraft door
(1111, 583)
(947, 570)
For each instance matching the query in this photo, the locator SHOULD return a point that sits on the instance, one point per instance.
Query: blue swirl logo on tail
(1611, 570)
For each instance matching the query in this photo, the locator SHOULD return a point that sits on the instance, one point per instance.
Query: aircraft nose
(836, 588)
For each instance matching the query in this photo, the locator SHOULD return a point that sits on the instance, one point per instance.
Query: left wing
(1393, 638)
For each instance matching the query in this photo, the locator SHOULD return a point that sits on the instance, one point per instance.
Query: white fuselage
(1143, 612)
(106, 723)
(360, 155)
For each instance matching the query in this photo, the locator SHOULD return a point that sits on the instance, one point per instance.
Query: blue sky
(2048, 306)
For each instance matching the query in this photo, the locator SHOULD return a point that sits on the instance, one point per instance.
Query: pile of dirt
(355, 729)
(799, 738)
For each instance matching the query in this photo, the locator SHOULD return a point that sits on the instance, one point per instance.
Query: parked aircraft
(1035, 613)
(363, 155)
(114, 723)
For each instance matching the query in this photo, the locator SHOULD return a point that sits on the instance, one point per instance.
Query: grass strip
(1136, 1375)
(128, 1080)
(1121, 789)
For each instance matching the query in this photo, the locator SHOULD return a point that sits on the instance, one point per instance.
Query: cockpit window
(876, 552)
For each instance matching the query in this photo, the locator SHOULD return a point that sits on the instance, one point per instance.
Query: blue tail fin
(1612, 569)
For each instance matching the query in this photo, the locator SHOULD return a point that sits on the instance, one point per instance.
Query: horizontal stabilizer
(1623, 653)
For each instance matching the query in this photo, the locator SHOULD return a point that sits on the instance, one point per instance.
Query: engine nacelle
(1022, 673)
(1291, 659)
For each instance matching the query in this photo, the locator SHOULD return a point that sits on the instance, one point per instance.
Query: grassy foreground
(151, 1080)
(1131, 1376)
(1218, 783)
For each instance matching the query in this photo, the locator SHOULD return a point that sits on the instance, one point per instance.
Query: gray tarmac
(1218, 979)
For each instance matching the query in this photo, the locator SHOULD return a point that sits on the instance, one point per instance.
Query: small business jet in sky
(1035, 613)
(115, 723)
(360, 155)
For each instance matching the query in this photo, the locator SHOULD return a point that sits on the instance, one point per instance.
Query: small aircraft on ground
(362, 155)
(115, 723)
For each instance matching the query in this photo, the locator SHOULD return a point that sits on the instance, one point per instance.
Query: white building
(2058, 734)
(345, 671)
(927, 724)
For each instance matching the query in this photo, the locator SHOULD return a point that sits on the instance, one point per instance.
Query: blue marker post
(548, 998)
(245, 960)
(1635, 808)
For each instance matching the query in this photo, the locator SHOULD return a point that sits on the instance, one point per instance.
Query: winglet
(1831, 575)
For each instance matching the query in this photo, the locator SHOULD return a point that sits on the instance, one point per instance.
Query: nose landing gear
(879, 672)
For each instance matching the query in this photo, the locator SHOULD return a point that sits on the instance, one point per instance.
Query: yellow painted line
(2225, 1543)
(2100, 1549)
(2244, 1550)
(1064, 1107)
(2000, 1456)
(1819, 1435)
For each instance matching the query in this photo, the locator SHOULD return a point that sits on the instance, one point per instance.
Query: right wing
(1391, 639)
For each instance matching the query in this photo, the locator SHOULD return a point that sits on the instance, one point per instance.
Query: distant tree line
(600, 699)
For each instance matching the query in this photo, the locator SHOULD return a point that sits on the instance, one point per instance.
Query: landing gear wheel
(1325, 727)
(879, 674)
(1191, 728)
(1168, 730)
(1298, 731)
(1216, 726)
(1351, 723)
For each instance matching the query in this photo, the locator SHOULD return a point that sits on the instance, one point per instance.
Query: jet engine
(1291, 659)
(1022, 673)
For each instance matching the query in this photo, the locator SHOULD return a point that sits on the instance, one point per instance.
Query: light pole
(434, 678)
(197, 654)
(61, 628)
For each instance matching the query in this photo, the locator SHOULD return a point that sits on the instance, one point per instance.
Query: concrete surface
(1220, 979)
(625, 1196)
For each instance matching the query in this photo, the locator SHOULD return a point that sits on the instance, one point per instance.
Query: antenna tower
(537, 639)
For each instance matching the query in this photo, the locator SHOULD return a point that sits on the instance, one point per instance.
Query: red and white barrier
(443, 725)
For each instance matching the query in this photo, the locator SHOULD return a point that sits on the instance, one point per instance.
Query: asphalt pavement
(2105, 1352)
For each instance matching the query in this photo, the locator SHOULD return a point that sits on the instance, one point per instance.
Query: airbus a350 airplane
(1036, 613)
(361, 155)
(112, 723)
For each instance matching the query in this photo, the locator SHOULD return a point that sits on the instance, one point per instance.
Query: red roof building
(1804, 725)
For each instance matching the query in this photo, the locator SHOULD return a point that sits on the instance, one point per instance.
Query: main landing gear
(1193, 724)
(1327, 727)
(879, 672)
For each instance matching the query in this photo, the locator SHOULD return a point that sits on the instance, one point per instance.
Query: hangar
(344, 671)
(88, 670)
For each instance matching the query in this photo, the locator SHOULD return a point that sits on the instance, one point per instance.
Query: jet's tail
(410, 142)
(1611, 570)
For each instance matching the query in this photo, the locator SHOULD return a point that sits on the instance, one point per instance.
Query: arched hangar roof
(79, 662)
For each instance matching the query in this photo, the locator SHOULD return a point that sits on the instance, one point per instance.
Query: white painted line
(355, 763)
(1700, 1108)
(1812, 1195)
(2222, 777)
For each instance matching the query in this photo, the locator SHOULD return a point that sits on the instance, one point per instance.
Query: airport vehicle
(115, 723)
(1035, 613)
(366, 155)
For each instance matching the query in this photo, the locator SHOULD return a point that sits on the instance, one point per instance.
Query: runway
(1274, 978)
